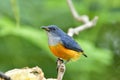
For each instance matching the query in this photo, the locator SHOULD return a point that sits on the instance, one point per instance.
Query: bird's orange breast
(60, 51)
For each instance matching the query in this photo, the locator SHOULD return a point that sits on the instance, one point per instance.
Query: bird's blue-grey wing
(69, 43)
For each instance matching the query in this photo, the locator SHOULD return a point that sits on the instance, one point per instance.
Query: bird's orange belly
(60, 51)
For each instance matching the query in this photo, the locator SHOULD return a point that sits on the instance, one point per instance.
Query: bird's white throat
(53, 40)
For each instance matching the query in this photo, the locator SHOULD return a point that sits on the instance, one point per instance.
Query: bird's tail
(84, 54)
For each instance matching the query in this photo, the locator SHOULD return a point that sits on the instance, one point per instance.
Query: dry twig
(80, 18)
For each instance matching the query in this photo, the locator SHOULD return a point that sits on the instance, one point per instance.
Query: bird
(62, 45)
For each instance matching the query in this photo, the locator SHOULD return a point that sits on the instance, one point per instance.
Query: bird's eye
(53, 29)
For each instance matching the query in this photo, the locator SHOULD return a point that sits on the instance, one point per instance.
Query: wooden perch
(34, 73)
(61, 69)
(80, 18)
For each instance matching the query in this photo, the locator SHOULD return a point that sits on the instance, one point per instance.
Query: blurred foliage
(26, 45)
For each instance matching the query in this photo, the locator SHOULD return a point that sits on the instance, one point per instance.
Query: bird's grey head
(53, 30)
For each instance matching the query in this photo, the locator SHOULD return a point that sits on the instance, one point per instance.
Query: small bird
(62, 45)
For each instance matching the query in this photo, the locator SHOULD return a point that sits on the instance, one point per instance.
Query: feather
(69, 43)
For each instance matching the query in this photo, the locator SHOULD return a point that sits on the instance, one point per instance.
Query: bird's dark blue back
(70, 43)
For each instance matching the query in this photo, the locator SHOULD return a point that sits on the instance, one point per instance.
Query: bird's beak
(45, 28)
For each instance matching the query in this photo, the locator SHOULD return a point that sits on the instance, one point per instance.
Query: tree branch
(61, 69)
(82, 18)
(3, 76)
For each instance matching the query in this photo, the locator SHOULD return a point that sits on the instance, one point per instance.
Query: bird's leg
(59, 62)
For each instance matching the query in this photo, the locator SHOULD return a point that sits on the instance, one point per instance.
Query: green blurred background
(26, 44)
